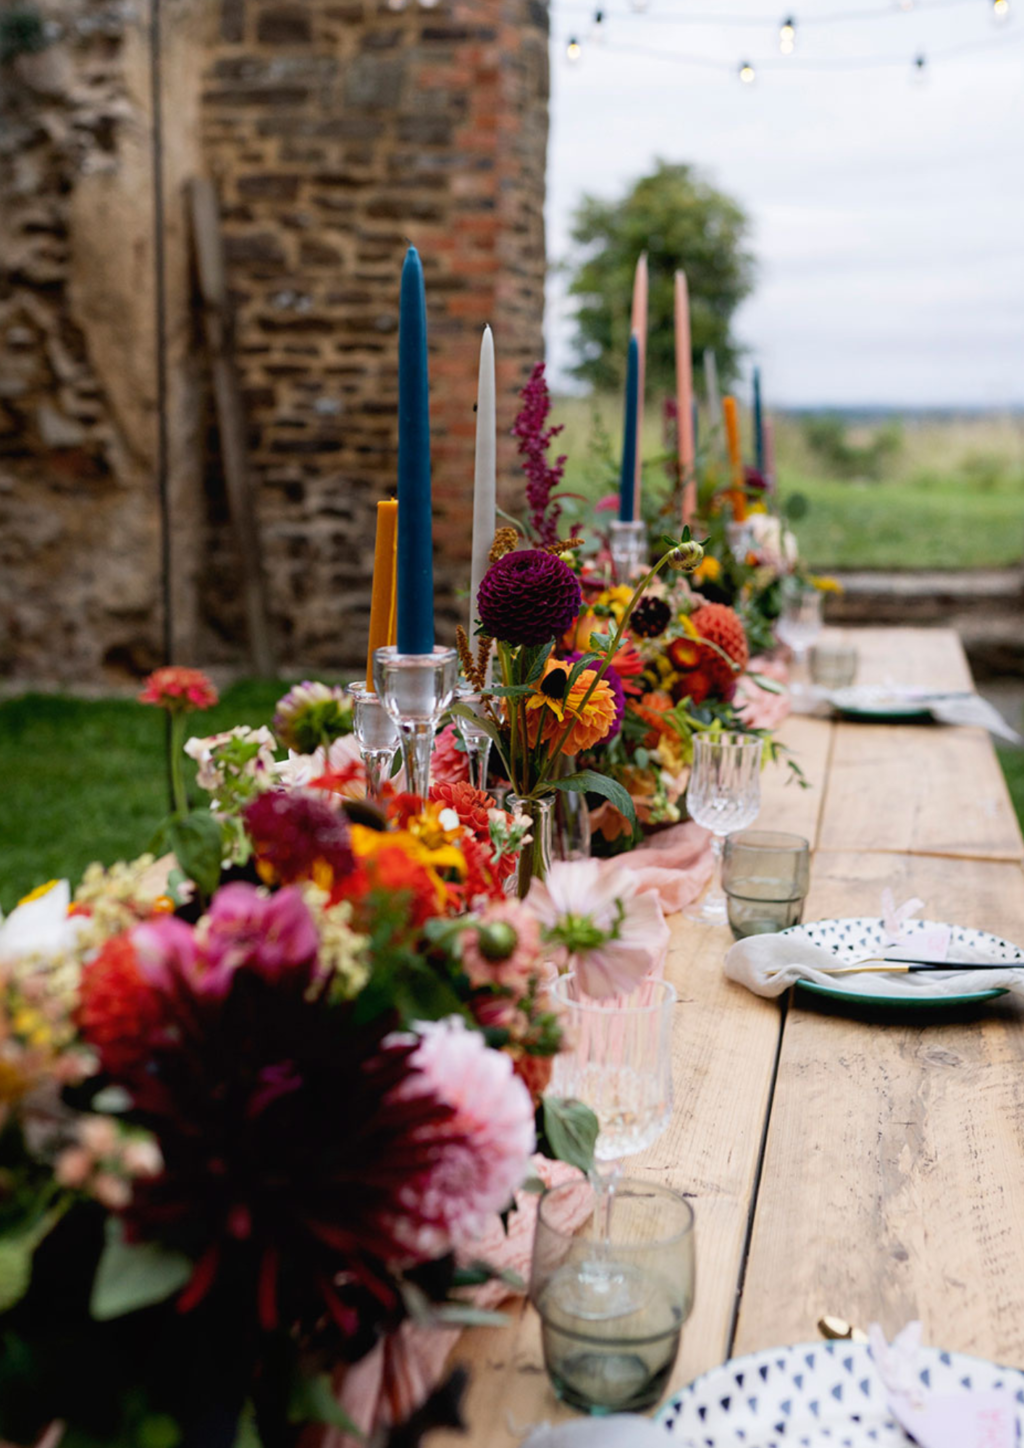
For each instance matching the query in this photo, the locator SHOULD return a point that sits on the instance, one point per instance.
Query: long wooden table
(862, 1164)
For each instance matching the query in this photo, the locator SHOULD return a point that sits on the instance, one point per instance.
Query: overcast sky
(888, 215)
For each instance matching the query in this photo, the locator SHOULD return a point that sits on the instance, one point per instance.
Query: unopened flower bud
(496, 940)
(687, 556)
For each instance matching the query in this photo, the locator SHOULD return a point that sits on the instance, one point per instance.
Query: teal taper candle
(627, 479)
(415, 521)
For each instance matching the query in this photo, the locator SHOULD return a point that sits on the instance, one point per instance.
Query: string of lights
(750, 21)
(747, 70)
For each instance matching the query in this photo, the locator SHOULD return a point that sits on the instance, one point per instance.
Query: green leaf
(15, 1271)
(770, 686)
(587, 662)
(196, 842)
(463, 711)
(588, 781)
(130, 1276)
(510, 691)
(477, 1273)
(537, 667)
(312, 1400)
(571, 1129)
(160, 842)
(247, 1434)
(600, 641)
(458, 1314)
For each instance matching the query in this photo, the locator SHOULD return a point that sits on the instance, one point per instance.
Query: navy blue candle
(415, 521)
(627, 481)
(758, 422)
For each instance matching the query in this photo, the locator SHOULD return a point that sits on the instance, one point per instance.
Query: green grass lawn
(950, 492)
(84, 780)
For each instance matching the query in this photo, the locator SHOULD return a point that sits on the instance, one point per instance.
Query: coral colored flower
(387, 865)
(178, 690)
(597, 924)
(471, 805)
(119, 1011)
(528, 597)
(553, 704)
(298, 836)
(502, 947)
(614, 682)
(483, 1152)
(449, 764)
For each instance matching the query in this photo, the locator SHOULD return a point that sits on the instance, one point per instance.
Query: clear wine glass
(798, 627)
(724, 794)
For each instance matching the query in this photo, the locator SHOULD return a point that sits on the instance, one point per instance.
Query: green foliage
(681, 221)
(22, 32)
(827, 437)
(569, 1129)
(130, 1276)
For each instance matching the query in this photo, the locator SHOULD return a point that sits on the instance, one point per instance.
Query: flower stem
(176, 745)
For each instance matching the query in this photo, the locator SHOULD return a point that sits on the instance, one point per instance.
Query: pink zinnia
(449, 764)
(178, 690)
(503, 947)
(597, 925)
(483, 1152)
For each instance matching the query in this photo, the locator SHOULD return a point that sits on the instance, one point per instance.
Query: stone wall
(336, 131)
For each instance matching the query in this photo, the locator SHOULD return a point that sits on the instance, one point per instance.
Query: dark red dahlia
(298, 836)
(528, 597)
(650, 618)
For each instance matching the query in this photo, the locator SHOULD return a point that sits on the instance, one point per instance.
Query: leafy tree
(682, 222)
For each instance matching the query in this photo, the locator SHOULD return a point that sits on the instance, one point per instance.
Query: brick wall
(336, 131)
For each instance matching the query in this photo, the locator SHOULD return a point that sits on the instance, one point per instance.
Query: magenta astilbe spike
(534, 438)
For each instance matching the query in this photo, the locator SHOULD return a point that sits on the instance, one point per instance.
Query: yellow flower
(429, 839)
(616, 599)
(824, 584)
(709, 571)
(554, 704)
(38, 892)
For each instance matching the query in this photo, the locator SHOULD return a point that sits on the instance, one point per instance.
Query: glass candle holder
(612, 1297)
(377, 736)
(628, 549)
(766, 875)
(416, 689)
(475, 741)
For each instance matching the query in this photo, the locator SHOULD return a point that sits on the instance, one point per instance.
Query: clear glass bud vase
(535, 857)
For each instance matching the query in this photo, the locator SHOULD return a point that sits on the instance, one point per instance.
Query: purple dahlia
(528, 598)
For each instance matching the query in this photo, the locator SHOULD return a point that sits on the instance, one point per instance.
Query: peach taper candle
(731, 417)
(382, 604)
(686, 442)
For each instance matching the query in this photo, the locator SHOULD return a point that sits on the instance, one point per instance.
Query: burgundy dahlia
(528, 598)
(297, 836)
(650, 618)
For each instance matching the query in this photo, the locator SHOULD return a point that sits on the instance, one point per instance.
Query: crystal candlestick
(628, 549)
(475, 740)
(377, 737)
(416, 689)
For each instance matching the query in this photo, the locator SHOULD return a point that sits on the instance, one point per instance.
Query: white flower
(299, 769)
(40, 926)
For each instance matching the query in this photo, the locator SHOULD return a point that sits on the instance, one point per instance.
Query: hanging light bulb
(638, 5)
(918, 69)
(747, 73)
(1000, 9)
(905, 4)
(787, 36)
(598, 31)
(573, 51)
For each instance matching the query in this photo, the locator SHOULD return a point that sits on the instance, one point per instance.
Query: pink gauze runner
(675, 863)
(759, 708)
(400, 1373)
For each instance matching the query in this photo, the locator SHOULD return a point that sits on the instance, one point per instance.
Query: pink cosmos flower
(503, 947)
(448, 763)
(270, 934)
(484, 1151)
(596, 924)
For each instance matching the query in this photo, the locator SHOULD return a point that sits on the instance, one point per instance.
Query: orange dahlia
(711, 672)
(554, 704)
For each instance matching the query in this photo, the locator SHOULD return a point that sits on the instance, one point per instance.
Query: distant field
(950, 494)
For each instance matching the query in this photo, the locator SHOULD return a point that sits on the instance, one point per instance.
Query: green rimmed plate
(885, 704)
(856, 937)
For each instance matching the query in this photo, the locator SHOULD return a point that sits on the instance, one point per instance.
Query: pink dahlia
(448, 763)
(597, 925)
(503, 947)
(483, 1153)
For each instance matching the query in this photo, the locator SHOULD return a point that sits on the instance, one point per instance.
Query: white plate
(818, 1395)
(855, 938)
(882, 702)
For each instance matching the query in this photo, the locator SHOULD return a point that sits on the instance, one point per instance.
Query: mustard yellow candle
(382, 605)
(738, 495)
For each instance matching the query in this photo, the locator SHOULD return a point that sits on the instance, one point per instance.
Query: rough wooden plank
(926, 789)
(893, 1183)
(230, 416)
(784, 804)
(725, 1047)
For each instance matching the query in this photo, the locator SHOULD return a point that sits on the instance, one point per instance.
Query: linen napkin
(769, 965)
(621, 1430)
(954, 708)
(934, 1419)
